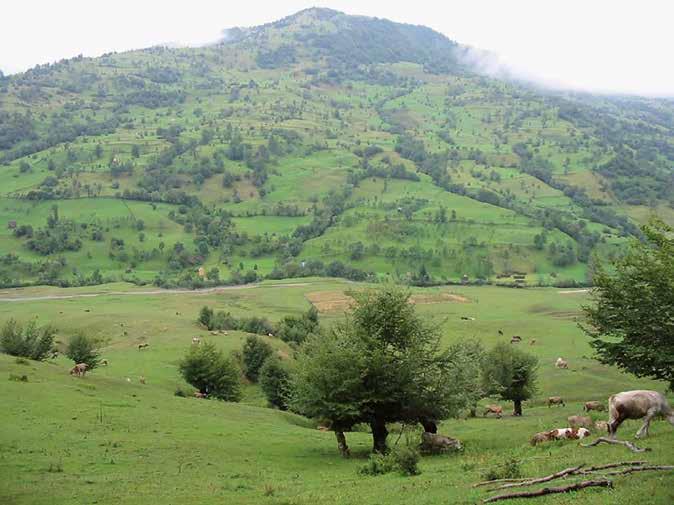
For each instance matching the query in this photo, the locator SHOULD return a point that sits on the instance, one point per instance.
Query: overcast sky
(597, 45)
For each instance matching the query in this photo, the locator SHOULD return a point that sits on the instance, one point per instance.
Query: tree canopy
(383, 364)
(631, 319)
(510, 374)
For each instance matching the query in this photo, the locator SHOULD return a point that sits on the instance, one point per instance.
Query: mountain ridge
(320, 144)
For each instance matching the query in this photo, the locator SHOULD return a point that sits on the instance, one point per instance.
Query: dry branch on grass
(551, 490)
(567, 471)
(498, 481)
(626, 443)
(633, 469)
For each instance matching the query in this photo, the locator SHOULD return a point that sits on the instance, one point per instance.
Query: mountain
(320, 144)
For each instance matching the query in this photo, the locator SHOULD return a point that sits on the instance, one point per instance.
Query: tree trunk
(341, 444)
(379, 435)
(429, 425)
(518, 407)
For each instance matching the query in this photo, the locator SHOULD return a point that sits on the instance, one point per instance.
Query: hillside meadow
(105, 439)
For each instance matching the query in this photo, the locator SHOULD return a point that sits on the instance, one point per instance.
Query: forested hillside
(322, 144)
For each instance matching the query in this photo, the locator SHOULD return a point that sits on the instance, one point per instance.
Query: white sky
(598, 45)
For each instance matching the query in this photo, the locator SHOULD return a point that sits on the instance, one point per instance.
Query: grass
(103, 439)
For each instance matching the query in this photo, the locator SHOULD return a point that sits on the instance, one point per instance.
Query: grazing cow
(104, 362)
(270, 335)
(561, 363)
(580, 422)
(199, 394)
(556, 400)
(593, 406)
(141, 379)
(516, 339)
(54, 354)
(560, 434)
(638, 404)
(143, 346)
(80, 369)
(196, 340)
(494, 409)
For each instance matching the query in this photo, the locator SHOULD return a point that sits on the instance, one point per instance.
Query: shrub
(273, 378)
(407, 460)
(403, 459)
(297, 329)
(83, 349)
(181, 392)
(18, 378)
(377, 464)
(255, 352)
(26, 342)
(511, 469)
(211, 372)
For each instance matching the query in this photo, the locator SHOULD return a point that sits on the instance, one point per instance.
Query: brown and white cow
(80, 369)
(639, 404)
(560, 434)
(556, 400)
(199, 394)
(494, 409)
(593, 406)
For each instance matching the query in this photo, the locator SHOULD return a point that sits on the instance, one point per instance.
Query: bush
(26, 342)
(403, 459)
(377, 464)
(255, 352)
(273, 379)
(211, 372)
(297, 329)
(407, 460)
(182, 392)
(83, 349)
(511, 469)
(18, 378)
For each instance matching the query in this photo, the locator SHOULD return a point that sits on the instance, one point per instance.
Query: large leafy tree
(631, 319)
(207, 368)
(510, 374)
(383, 364)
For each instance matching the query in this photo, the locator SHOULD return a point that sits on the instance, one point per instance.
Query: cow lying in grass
(593, 406)
(560, 434)
(556, 400)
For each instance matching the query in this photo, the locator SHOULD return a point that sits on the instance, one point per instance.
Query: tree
(631, 319)
(83, 349)
(255, 352)
(135, 151)
(273, 380)
(211, 372)
(383, 364)
(510, 374)
(206, 316)
(28, 342)
(293, 329)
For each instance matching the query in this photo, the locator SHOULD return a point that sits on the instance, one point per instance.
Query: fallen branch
(626, 443)
(547, 478)
(638, 469)
(498, 481)
(613, 465)
(551, 490)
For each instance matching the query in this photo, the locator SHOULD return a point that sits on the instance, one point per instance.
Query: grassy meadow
(105, 439)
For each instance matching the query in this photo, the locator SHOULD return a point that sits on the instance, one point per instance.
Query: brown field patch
(330, 301)
(339, 301)
(438, 298)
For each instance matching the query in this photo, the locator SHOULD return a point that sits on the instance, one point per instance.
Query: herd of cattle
(639, 404)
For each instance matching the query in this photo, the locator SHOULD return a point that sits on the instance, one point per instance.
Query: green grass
(119, 441)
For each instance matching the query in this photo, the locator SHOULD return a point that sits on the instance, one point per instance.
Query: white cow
(639, 404)
(561, 363)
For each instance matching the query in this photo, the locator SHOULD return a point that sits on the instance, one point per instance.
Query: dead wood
(551, 490)
(568, 471)
(626, 443)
